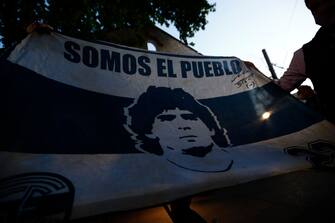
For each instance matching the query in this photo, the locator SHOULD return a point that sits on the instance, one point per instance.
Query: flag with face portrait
(89, 127)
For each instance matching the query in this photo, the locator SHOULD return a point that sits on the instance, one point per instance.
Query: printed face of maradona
(178, 130)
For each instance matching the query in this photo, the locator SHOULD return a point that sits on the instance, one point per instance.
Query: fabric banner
(89, 128)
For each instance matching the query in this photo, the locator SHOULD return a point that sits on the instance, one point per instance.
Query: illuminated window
(151, 46)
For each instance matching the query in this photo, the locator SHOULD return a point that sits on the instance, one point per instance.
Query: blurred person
(315, 59)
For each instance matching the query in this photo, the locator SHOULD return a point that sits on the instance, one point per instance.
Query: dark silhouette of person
(316, 58)
(172, 124)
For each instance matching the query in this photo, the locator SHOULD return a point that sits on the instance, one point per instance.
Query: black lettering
(236, 66)
(226, 68)
(170, 69)
(195, 70)
(201, 69)
(112, 60)
(144, 69)
(185, 67)
(129, 64)
(160, 67)
(72, 55)
(208, 69)
(90, 56)
(217, 68)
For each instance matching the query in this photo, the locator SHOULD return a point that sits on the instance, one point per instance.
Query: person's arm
(295, 74)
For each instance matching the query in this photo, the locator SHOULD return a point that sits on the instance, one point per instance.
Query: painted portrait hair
(142, 113)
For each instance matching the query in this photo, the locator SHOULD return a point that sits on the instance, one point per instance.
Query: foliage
(94, 18)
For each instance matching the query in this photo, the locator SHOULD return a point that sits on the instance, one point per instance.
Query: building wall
(162, 41)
